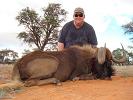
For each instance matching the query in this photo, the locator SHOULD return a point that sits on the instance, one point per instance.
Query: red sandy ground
(119, 88)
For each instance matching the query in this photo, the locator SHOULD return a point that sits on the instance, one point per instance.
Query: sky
(106, 17)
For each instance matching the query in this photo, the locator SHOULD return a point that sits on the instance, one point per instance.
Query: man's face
(79, 18)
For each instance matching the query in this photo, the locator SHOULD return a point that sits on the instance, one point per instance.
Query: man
(77, 32)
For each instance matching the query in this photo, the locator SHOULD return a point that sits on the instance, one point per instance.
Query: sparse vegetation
(5, 76)
(5, 72)
(125, 71)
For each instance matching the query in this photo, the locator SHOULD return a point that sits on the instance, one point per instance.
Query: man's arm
(60, 46)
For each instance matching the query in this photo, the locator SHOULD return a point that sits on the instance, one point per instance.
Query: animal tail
(15, 73)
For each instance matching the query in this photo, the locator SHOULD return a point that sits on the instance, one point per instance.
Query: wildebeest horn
(123, 59)
(101, 54)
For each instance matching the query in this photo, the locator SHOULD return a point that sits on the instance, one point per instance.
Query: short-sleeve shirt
(70, 35)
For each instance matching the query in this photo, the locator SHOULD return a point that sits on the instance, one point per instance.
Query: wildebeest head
(102, 66)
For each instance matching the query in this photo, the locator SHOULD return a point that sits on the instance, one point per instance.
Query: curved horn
(123, 59)
(101, 54)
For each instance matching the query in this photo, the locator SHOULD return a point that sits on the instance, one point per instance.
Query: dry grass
(125, 71)
(5, 72)
(5, 76)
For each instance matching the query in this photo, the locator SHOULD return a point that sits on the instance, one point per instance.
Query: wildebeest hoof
(30, 83)
(56, 81)
(108, 78)
(75, 79)
(59, 84)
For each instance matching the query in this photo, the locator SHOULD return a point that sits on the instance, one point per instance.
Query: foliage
(130, 54)
(128, 29)
(41, 30)
(117, 53)
(8, 56)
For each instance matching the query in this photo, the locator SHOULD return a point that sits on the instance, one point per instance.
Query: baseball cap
(79, 9)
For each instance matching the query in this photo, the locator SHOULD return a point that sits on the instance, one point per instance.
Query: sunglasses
(80, 15)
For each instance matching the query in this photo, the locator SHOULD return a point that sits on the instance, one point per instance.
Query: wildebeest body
(65, 65)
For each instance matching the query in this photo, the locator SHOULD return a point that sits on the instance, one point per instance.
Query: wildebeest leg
(37, 82)
(48, 81)
(31, 82)
(79, 71)
(84, 77)
(87, 77)
(74, 74)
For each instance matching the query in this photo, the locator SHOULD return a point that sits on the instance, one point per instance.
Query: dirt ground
(119, 88)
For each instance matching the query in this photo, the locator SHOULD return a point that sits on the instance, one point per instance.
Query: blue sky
(106, 16)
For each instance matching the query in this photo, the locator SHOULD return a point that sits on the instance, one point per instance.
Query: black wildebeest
(43, 67)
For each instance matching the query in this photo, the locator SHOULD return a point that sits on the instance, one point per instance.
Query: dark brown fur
(70, 63)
